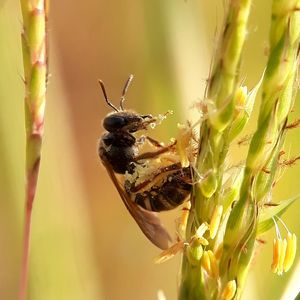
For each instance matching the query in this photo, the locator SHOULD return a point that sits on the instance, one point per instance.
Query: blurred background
(84, 244)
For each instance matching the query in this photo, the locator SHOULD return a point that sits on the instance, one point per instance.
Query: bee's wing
(147, 220)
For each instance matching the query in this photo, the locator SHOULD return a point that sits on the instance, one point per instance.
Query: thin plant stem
(26, 244)
(35, 61)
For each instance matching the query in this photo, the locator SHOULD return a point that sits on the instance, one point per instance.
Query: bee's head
(126, 121)
(122, 119)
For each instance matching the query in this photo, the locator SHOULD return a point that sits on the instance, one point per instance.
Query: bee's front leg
(141, 141)
(155, 154)
(154, 142)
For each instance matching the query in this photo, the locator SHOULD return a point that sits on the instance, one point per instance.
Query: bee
(153, 181)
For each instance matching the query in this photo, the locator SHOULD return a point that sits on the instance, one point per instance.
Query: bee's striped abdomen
(168, 195)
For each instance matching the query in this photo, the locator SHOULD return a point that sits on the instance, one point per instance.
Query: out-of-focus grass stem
(34, 46)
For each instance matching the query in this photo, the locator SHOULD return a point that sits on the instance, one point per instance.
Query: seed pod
(194, 254)
(209, 184)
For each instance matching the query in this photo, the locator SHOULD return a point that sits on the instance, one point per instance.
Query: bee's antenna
(105, 95)
(126, 86)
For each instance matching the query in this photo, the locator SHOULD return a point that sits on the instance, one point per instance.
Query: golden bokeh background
(84, 244)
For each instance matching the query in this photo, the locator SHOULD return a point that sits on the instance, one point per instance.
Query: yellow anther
(205, 262)
(282, 257)
(213, 264)
(279, 250)
(210, 264)
(218, 252)
(229, 290)
(215, 221)
(290, 251)
(276, 254)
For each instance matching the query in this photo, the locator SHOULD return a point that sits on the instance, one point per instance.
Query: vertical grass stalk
(34, 46)
(278, 94)
(227, 203)
(213, 146)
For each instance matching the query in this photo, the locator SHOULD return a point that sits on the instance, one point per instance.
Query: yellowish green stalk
(213, 146)
(218, 270)
(278, 94)
(34, 46)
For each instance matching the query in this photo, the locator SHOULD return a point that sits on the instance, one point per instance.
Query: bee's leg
(196, 176)
(188, 180)
(154, 142)
(146, 123)
(141, 140)
(154, 154)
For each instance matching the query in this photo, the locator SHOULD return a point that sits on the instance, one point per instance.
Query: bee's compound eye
(113, 122)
